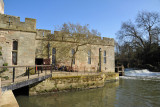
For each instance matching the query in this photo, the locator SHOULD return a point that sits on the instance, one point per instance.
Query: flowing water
(138, 88)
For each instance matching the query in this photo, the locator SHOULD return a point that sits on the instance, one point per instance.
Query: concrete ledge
(71, 82)
(24, 83)
(8, 100)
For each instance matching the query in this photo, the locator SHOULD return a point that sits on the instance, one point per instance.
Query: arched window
(73, 56)
(89, 57)
(15, 45)
(14, 52)
(104, 57)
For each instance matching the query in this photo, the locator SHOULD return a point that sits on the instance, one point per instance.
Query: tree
(81, 36)
(146, 29)
(143, 36)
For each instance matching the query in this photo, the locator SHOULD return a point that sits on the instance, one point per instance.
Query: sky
(106, 16)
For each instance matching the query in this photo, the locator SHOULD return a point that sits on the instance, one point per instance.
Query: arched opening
(14, 52)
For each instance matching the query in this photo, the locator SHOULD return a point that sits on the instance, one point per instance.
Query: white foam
(143, 74)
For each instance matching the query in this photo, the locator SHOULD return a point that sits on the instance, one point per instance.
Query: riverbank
(66, 82)
(122, 93)
(60, 82)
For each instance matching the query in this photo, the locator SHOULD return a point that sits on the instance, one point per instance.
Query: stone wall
(1, 7)
(63, 51)
(11, 29)
(57, 36)
(26, 49)
(61, 83)
(13, 23)
(64, 55)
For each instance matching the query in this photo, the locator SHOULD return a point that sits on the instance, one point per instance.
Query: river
(138, 88)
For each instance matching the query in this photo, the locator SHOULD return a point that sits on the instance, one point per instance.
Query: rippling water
(130, 91)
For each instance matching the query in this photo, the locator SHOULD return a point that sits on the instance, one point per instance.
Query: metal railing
(28, 72)
(119, 69)
(36, 69)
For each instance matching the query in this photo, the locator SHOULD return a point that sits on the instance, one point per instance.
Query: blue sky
(106, 16)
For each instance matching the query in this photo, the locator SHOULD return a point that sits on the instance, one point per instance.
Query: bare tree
(80, 36)
(142, 38)
(146, 29)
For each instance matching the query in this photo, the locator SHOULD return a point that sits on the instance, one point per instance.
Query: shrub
(5, 64)
(6, 77)
(31, 71)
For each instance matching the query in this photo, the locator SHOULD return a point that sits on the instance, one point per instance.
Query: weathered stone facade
(63, 56)
(1, 7)
(32, 44)
(11, 29)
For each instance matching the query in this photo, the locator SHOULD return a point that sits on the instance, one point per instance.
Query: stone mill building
(22, 44)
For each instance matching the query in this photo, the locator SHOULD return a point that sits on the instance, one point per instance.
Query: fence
(27, 72)
(119, 69)
(13, 73)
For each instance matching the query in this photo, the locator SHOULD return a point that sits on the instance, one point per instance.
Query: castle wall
(1, 7)
(22, 32)
(65, 45)
(14, 23)
(32, 44)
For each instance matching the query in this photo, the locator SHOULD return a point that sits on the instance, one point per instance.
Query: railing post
(38, 72)
(41, 69)
(28, 72)
(35, 69)
(45, 71)
(13, 74)
(51, 69)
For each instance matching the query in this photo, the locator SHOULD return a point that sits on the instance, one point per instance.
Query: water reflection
(138, 93)
(100, 97)
(124, 93)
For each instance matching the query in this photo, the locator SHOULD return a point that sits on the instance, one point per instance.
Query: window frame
(73, 51)
(104, 57)
(15, 51)
(89, 57)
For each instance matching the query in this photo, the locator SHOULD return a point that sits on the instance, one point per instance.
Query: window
(14, 52)
(89, 57)
(43, 34)
(73, 57)
(104, 57)
(54, 56)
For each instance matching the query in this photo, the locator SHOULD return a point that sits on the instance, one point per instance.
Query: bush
(5, 64)
(0, 53)
(6, 77)
(31, 71)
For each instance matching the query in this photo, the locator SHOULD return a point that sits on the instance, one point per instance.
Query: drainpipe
(99, 59)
